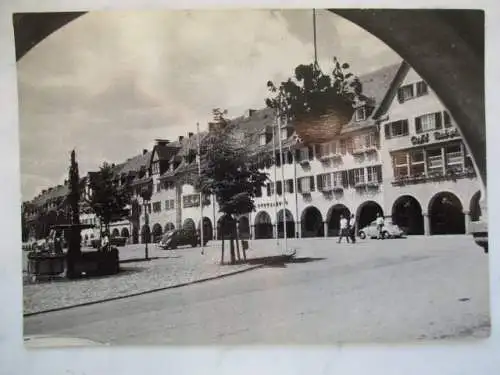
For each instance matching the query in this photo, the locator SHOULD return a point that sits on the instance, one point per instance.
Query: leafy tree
(230, 175)
(107, 199)
(312, 92)
(73, 199)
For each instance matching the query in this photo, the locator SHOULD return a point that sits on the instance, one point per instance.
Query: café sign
(438, 136)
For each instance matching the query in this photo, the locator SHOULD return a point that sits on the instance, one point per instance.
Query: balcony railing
(450, 174)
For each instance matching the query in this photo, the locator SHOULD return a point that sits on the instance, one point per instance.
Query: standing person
(380, 225)
(343, 229)
(105, 241)
(352, 228)
(58, 242)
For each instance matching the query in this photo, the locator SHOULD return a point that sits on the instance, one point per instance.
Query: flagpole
(314, 37)
(275, 190)
(201, 192)
(282, 181)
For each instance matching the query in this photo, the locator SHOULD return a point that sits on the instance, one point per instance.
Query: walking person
(352, 228)
(343, 229)
(380, 226)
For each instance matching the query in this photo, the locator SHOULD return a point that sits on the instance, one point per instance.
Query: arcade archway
(244, 227)
(145, 234)
(446, 214)
(407, 214)
(474, 208)
(333, 218)
(368, 212)
(189, 225)
(208, 230)
(115, 233)
(312, 223)
(263, 226)
(125, 233)
(169, 227)
(289, 224)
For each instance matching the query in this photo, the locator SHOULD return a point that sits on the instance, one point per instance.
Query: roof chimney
(181, 138)
(162, 142)
(144, 151)
(250, 112)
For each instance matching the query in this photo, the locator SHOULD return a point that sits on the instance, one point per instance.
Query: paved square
(420, 288)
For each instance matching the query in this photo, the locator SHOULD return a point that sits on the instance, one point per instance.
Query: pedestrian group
(348, 228)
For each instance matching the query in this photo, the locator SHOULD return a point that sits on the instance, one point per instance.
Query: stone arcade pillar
(252, 232)
(275, 230)
(325, 228)
(298, 228)
(467, 222)
(427, 224)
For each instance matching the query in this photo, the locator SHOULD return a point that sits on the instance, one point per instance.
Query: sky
(109, 83)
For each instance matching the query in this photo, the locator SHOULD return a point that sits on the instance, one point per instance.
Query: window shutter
(268, 190)
(378, 171)
(351, 177)
(277, 159)
(312, 183)
(319, 182)
(400, 95)
(279, 188)
(405, 127)
(387, 131)
(446, 119)
(439, 123)
(418, 125)
(290, 185)
(299, 185)
(297, 155)
(311, 152)
(345, 179)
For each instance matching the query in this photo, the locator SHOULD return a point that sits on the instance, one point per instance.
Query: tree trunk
(231, 247)
(222, 254)
(238, 247)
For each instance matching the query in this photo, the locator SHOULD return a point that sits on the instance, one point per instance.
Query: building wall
(463, 188)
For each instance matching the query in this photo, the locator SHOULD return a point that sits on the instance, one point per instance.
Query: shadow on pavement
(124, 271)
(278, 261)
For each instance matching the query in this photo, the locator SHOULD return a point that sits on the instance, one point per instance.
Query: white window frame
(392, 126)
(304, 154)
(429, 159)
(408, 92)
(324, 149)
(371, 175)
(359, 176)
(326, 181)
(305, 184)
(397, 166)
(337, 179)
(360, 114)
(416, 163)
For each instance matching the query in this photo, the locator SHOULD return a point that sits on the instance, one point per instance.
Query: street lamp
(146, 193)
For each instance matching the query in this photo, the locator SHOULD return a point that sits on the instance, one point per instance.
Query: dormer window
(405, 93)
(155, 168)
(360, 114)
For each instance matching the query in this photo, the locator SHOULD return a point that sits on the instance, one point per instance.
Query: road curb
(110, 299)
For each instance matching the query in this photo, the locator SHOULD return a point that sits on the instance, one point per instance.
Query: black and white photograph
(252, 177)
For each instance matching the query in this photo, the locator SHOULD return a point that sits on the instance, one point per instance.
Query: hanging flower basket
(323, 128)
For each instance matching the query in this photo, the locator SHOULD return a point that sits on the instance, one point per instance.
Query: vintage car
(180, 237)
(389, 230)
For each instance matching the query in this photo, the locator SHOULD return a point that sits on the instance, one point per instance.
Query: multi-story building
(401, 156)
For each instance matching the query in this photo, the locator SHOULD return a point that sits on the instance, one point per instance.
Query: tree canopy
(311, 91)
(107, 199)
(227, 170)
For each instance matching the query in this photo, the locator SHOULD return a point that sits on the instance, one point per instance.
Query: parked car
(180, 237)
(389, 230)
(118, 241)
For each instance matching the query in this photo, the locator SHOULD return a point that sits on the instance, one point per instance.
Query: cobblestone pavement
(166, 268)
(415, 289)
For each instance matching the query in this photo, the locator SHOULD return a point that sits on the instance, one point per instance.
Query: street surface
(392, 290)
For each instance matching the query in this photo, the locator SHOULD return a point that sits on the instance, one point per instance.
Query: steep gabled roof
(376, 85)
(135, 163)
